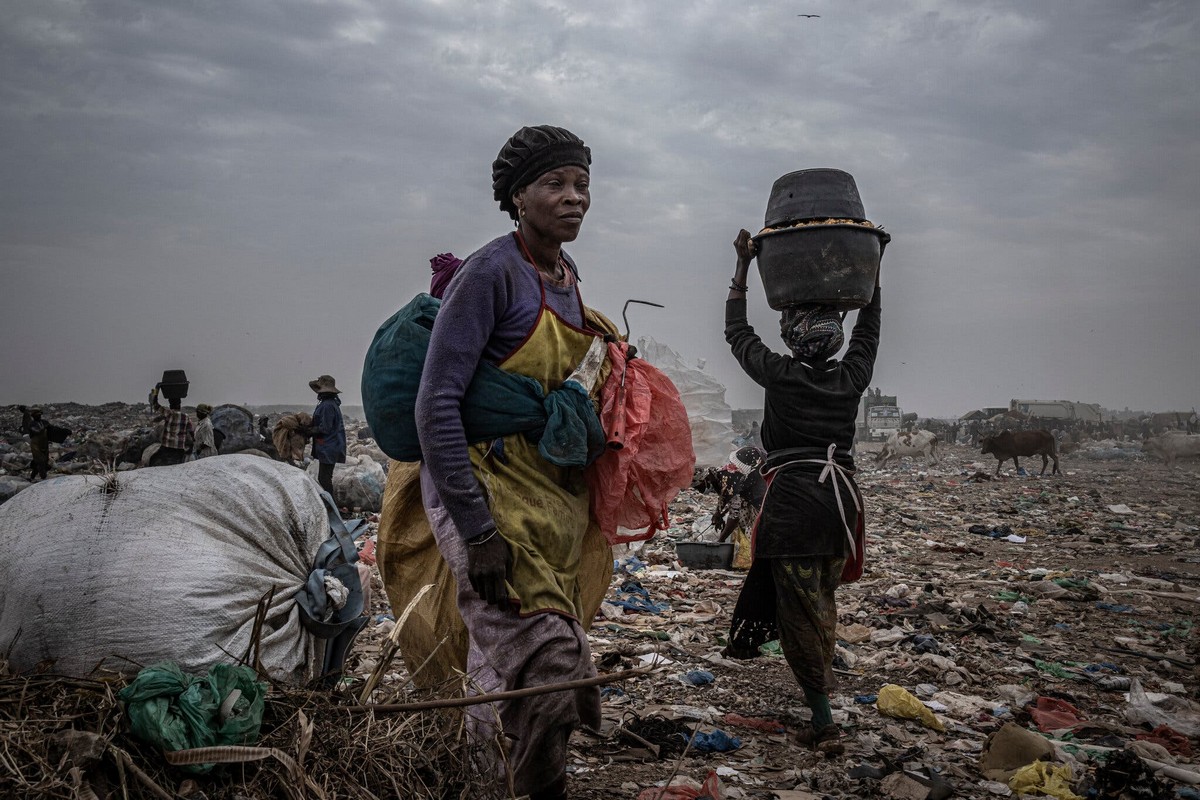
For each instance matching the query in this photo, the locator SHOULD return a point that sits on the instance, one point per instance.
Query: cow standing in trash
(915, 443)
(1012, 444)
(1173, 445)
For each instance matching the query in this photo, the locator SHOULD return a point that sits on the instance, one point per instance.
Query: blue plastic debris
(716, 742)
(1104, 665)
(698, 677)
(1119, 608)
(865, 699)
(628, 565)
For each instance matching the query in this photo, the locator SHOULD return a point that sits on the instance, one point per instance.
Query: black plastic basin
(813, 194)
(174, 384)
(834, 265)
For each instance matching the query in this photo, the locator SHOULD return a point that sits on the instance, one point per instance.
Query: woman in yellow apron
(510, 525)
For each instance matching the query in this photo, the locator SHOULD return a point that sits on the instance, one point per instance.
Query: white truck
(883, 421)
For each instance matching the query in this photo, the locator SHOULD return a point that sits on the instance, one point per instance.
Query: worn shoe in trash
(827, 740)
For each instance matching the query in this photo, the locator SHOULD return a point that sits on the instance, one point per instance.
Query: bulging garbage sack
(236, 425)
(357, 484)
(10, 485)
(165, 564)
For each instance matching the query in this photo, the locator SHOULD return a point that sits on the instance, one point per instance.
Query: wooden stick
(1150, 654)
(1187, 598)
(531, 691)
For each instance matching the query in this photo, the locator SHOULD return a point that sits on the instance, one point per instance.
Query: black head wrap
(812, 331)
(531, 153)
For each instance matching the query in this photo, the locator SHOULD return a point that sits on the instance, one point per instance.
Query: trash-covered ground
(1039, 601)
(991, 607)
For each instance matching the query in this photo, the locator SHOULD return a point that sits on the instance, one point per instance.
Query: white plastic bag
(357, 484)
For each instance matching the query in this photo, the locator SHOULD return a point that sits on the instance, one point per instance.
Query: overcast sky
(246, 190)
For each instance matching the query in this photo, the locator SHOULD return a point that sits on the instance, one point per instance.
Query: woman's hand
(744, 246)
(488, 566)
(746, 250)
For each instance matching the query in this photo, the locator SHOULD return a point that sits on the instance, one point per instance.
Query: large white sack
(703, 396)
(168, 567)
(357, 484)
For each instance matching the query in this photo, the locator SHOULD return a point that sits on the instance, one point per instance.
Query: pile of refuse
(117, 437)
(1018, 637)
(1012, 636)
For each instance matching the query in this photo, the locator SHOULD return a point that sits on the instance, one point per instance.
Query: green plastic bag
(175, 711)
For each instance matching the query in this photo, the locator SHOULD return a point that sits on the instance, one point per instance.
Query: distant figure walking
(206, 438)
(328, 430)
(39, 440)
(178, 433)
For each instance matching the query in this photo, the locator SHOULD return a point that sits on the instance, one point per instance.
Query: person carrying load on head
(38, 431)
(206, 438)
(328, 430)
(178, 433)
(811, 518)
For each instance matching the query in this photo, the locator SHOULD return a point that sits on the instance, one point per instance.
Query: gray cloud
(246, 190)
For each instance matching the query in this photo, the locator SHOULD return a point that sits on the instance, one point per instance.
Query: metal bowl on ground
(834, 265)
(705, 555)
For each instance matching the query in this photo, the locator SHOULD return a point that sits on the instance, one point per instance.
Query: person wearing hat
(206, 439)
(810, 524)
(511, 526)
(178, 433)
(328, 430)
(39, 441)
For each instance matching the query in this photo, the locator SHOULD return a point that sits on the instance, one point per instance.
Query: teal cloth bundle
(564, 424)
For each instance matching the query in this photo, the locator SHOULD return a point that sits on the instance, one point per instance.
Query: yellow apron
(561, 561)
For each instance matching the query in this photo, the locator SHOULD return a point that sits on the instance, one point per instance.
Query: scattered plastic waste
(1042, 778)
(716, 742)
(896, 701)
(697, 677)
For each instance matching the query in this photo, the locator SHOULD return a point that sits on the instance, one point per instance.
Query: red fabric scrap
(710, 788)
(768, 725)
(1176, 743)
(1052, 714)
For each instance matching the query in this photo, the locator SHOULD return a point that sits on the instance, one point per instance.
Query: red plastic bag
(1176, 743)
(649, 458)
(1052, 714)
(711, 788)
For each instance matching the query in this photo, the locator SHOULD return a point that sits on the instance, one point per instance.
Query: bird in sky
(810, 16)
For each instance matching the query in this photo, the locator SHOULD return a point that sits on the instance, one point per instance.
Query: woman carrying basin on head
(811, 517)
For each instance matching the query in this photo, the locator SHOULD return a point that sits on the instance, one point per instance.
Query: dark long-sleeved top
(488, 310)
(39, 435)
(807, 405)
(329, 430)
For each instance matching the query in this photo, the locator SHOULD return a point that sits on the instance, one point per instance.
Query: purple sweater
(487, 311)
